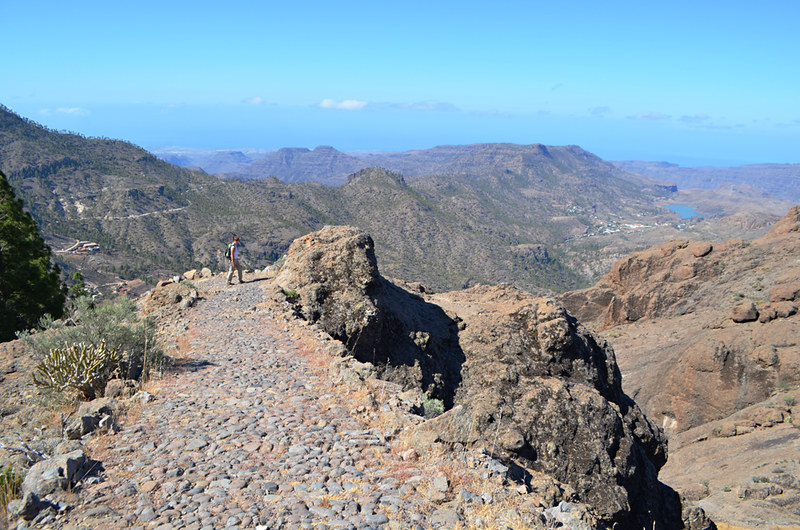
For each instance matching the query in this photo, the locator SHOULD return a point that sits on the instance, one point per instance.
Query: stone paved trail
(244, 435)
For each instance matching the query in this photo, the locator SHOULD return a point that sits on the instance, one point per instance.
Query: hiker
(233, 250)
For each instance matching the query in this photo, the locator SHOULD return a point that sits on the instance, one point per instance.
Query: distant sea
(685, 211)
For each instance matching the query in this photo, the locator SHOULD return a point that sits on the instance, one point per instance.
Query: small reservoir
(684, 210)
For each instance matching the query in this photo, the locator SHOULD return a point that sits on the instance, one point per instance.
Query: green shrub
(789, 400)
(432, 407)
(115, 323)
(291, 295)
(83, 367)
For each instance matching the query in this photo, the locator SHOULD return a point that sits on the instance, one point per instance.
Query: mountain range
(484, 213)
(330, 166)
(327, 165)
(779, 180)
(543, 218)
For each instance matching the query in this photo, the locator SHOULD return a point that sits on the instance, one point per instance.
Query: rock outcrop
(666, 280)
(334, 274)
(518, 375)
(715, 326)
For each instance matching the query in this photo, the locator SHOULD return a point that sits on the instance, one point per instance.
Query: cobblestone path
(243, 435)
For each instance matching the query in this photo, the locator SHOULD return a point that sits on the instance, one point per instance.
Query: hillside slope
(733, 308)
(149, 217)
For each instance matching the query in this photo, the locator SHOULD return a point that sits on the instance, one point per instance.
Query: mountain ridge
(779, 180)
(327, 165)
(499, 216)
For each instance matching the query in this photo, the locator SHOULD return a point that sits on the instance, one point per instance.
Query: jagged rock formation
(523, 378)
(715, 322)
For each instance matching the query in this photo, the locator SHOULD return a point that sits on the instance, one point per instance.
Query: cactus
(83, 367)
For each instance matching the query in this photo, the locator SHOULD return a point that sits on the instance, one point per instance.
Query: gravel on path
(245, 431)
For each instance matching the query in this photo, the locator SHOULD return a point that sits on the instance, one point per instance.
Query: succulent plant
(84, 367)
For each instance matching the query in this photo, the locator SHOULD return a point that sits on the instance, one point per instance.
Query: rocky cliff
(517, 375)
(706, 337)
(707, 328)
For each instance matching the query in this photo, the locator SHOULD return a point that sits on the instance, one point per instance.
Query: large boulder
(744, 312)
(517, 375)
(411, 342)
(336, 275)
(61, 472)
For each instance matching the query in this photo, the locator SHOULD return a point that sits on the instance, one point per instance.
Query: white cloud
(69, 111)
(72, 111)
(650, 116)
(347, 104)
(256, 100)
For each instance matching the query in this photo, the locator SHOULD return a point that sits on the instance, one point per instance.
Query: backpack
(228, 251)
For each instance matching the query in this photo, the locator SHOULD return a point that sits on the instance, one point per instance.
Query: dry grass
(10, 489)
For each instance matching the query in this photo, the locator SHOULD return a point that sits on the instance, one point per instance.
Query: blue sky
(689, 82)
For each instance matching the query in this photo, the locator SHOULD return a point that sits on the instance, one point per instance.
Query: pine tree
(30, 284)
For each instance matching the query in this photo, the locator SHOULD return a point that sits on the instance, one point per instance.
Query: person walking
(236, 265)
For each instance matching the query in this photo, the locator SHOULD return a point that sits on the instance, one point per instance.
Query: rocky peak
(376, 176)
(287, 154)
(326, 149)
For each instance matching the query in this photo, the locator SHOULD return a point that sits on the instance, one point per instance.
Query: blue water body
(685, 211)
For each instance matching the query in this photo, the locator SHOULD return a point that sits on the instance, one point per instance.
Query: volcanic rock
(59, 472)
(546, 393)
(92, 415)
(517, 374)
(784, 292)
(744, 312)
(410, 341)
